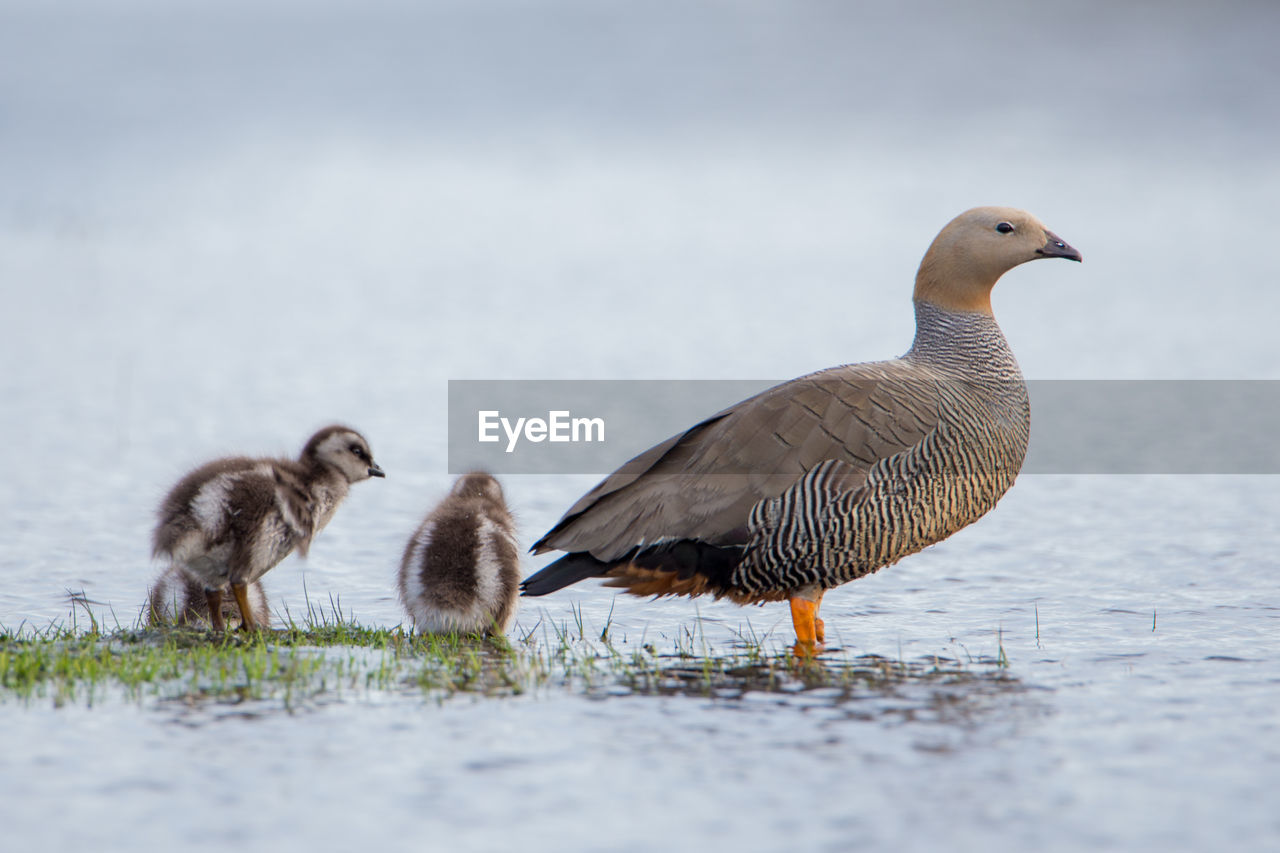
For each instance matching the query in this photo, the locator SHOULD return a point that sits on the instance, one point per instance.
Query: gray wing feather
(702, 483)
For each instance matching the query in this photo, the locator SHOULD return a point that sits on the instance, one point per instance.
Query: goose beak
(375, 471)
(1056, 247)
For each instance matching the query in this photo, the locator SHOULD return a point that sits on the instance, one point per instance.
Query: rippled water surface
(222, 229)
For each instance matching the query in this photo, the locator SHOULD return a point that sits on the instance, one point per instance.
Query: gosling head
(477, 484)
(977, 247)
(345, 450)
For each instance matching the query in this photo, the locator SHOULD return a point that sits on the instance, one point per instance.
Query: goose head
(975, 249)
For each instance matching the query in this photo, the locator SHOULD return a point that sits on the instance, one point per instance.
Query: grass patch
(328, 656)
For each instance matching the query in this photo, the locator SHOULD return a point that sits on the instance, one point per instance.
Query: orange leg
(811, 632)
(802, 616)
(214, 599)
(247, 622)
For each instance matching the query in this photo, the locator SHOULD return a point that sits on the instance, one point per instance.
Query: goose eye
(357, 451)
(1004, 227)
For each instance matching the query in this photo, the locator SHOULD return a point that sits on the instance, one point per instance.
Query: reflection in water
(870, 688)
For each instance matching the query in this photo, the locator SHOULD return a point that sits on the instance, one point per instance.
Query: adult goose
(832, 476)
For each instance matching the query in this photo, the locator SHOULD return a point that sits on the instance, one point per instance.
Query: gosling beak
(375, 471)
(1056, 247)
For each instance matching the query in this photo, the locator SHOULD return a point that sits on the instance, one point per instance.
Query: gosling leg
(247, 622)
(214, 599)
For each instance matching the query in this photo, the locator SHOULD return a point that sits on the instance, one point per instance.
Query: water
(223, 229)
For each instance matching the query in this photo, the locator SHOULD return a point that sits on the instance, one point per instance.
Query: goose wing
(701, 484)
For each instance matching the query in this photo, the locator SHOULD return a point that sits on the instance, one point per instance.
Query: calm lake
(224, 227)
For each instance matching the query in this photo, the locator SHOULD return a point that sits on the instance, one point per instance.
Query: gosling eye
(358, 452)
(1004, 227)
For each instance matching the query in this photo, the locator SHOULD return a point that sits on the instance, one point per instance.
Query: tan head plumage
(975, 249)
